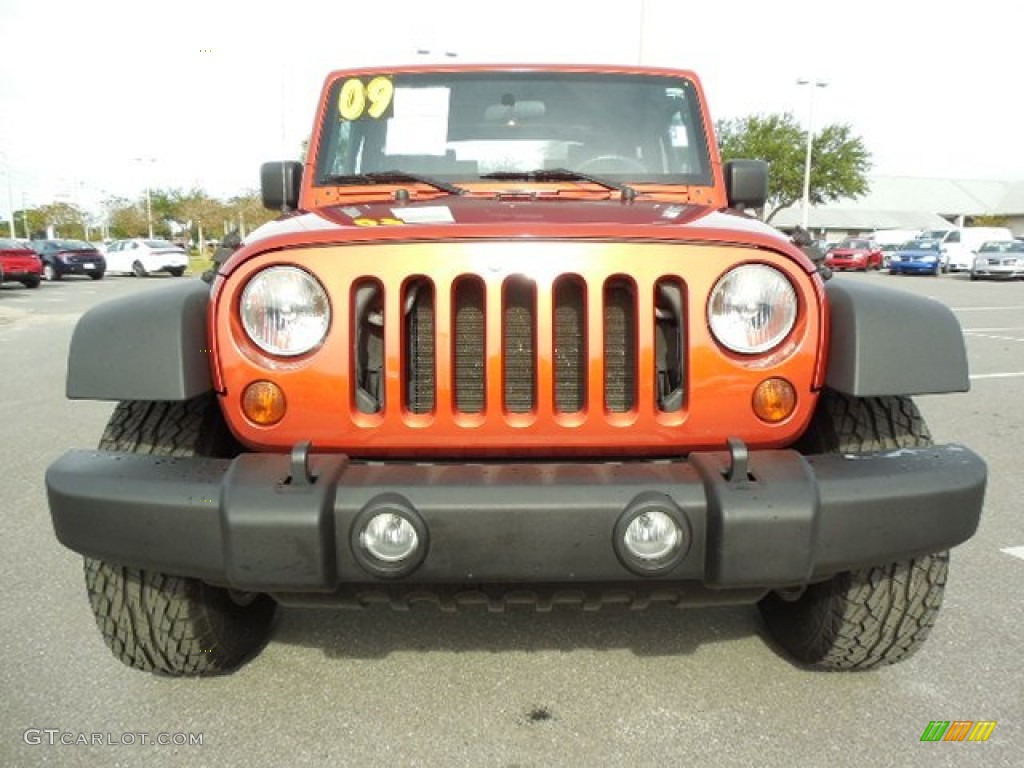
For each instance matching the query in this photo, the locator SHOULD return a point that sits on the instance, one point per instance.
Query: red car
(19, 264)
(855, 253)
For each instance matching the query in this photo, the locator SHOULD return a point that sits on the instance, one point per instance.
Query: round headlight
(285, 311)
(752, 308)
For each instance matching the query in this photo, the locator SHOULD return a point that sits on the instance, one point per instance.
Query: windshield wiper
(563, 174)
(378, 177)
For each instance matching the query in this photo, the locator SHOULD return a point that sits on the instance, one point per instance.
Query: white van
(960, 245)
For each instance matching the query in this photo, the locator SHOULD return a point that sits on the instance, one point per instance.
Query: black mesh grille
(570, 345)
(518, 323)
(468, 343)
(419, 352)
(619, 346)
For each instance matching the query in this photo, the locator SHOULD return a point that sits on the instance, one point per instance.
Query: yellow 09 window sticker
(366, 101)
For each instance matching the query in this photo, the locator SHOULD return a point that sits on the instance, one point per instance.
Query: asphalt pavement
(614, 688)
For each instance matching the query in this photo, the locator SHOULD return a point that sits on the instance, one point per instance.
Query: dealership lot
(660, 687)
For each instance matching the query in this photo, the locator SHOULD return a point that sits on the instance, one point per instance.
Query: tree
(247, 212)
(839, 160)
(67, 219)
(126, 218)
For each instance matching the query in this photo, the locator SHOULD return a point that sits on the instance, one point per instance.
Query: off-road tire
(172, 625)
(167, 624)
(872, 616)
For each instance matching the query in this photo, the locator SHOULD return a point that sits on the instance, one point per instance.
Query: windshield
(922, 245)
(74, 245)
(862, 245)
(1002, 246)
(464, 125)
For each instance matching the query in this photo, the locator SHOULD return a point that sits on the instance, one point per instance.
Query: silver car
(997, 259)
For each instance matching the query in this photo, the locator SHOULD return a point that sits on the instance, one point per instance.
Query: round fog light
(652, 536)
(389, 538)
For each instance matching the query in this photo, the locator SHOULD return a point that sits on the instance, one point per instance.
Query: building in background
(906, 202)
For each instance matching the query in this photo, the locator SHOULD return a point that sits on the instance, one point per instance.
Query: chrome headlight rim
(718, 321)
(257, 281)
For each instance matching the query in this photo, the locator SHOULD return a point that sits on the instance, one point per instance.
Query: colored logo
(958, 730)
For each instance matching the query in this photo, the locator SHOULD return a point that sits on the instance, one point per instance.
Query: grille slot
(418, 306)
(619, 345)
(570, 344)
(518, 323)
(470, 371)
(368, 343)
(668, 344)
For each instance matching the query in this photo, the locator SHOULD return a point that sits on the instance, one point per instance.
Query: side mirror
(279, 185)
(746, 183)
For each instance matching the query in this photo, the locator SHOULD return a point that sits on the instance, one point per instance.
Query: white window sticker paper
(419, 123)
(425, 214)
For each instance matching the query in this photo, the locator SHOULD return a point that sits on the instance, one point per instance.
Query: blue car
(917, 257)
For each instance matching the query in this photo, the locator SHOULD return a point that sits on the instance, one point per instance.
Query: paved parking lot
(657, 688)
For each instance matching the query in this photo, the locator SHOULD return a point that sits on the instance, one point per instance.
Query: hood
(456, 217)
(513, 216)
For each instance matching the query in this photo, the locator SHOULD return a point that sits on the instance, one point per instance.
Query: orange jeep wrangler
(514, 338)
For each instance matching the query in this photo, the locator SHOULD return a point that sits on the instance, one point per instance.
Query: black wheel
(96, 275)
(176, 271)
(138, 270)
(50, 272)
(31, 282)
(872, 616)
(162, 623)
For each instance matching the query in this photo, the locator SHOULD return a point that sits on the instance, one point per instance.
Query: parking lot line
(991, 336)
(993, 330)
(986, 309)
(1015, 551)
(1016, 375)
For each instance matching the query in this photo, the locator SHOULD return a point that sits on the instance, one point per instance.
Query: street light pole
(805, 215)
(149, 198)
(10, 193)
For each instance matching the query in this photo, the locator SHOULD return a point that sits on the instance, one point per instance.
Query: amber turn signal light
(774, 400)
(263, 403)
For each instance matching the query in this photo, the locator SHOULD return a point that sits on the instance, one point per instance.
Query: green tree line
(183, 215)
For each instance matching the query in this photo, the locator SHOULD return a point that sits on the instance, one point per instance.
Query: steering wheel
(612, 164)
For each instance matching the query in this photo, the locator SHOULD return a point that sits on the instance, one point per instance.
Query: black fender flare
(889, 342)
(151, 345)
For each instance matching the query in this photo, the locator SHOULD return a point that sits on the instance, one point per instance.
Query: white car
(142, 257)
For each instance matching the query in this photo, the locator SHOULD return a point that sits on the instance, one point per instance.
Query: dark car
(19, 264)
(69, 257)
(855, 253)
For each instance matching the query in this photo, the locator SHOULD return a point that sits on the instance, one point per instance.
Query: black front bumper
(252, 524)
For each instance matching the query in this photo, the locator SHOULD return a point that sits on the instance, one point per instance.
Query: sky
(107, 97)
